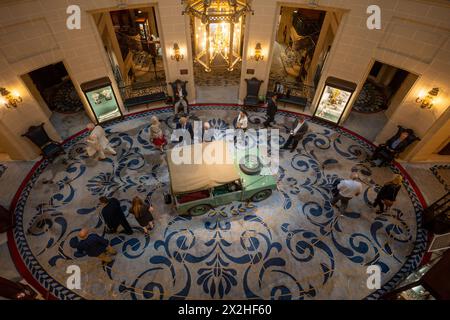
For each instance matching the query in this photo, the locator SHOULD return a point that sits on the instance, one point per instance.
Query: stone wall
(414, 37)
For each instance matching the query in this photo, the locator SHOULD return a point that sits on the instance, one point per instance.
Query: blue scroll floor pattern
(292, 246)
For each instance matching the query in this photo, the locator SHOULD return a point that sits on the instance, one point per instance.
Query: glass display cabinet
(102, 99)
(334, 99)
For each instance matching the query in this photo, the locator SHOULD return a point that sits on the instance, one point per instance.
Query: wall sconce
(258, 55)
(427, 101)
(177, 55)
(9, 99)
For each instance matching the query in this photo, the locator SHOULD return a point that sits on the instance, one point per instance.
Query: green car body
(251, 187)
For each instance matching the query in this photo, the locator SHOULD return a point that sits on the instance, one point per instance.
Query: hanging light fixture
(217, 29)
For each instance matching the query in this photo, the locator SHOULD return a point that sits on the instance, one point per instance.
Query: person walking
(143, 214)
(346, 190)
(113, 215)
(388, 194)
(272, 109)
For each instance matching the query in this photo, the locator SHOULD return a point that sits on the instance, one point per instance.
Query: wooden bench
(299, 101)
(150, 98)
(295, 100)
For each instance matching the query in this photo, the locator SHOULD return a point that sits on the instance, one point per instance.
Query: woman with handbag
(388, 193)
(143, 214)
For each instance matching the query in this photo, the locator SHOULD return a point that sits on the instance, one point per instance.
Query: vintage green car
(196, 188)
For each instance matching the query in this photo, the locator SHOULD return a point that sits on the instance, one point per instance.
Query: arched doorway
(383, 91)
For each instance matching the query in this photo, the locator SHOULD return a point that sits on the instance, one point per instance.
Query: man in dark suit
(271, 110)
(94, 245)
(395, 145)
(113, 215)
(299, 128)
(183, 124)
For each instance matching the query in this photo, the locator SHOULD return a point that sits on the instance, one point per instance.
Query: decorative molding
(413, 39)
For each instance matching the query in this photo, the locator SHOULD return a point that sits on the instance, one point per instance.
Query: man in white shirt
(347, 189)
(242, 121)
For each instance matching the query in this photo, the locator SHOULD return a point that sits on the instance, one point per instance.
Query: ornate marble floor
(291, 246)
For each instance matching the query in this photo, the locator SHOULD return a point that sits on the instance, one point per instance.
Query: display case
(102, 99)
(334, 99)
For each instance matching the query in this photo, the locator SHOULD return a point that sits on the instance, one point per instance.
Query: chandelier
(217, 30)
(210, 11)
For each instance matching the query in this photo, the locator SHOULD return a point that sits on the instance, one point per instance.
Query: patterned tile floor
(442, 173)
(371, 99)
(368, 125)
(219, 76)
(291, 246)
(69, 124)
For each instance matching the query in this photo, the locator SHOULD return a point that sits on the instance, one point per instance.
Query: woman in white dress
(97, 142)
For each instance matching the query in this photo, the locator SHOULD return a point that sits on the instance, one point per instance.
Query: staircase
(437, 216)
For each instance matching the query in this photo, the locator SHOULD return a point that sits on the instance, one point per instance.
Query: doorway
(217, 31)
(53, 89)
(303, 40)
(131, 39)
(383, 90)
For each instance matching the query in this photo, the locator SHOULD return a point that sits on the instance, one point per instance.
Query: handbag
(167, 198)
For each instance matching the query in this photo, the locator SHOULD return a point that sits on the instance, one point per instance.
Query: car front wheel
(261, 195)
(199, 210)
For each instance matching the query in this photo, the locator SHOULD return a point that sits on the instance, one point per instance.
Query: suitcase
(167, 198)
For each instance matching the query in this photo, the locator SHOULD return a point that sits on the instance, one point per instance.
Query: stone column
(318, 49)
(208, 55)
(230, 53)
